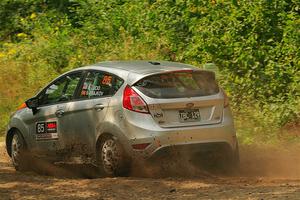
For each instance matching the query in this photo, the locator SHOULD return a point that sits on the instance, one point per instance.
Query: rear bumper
(191, 151)
(196, 137)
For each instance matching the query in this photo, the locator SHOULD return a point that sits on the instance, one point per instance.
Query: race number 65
(40, 127)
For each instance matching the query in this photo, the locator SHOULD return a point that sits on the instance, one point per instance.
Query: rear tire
(19, 153)
(111, 158)
(231, 161)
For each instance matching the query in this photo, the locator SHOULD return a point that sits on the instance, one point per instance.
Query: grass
(2, 138)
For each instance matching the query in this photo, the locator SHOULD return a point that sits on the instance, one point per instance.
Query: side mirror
(32, 103)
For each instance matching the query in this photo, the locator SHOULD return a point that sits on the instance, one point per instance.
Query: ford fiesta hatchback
(112, 113)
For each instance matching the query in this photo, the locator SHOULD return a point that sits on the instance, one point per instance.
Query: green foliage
(254, 43)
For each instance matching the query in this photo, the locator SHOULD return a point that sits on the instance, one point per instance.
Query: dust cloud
(273, 162)
(255, 161)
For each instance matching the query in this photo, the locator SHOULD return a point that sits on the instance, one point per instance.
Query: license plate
(190, 115)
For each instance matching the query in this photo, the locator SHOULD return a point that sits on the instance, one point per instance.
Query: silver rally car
(112, 113)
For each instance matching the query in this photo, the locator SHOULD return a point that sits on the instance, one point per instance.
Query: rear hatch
(182, 98)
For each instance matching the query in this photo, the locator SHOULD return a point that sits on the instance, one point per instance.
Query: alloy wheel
(16, 146)
(110, 156)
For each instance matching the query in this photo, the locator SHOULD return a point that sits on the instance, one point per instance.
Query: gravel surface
(265, 174)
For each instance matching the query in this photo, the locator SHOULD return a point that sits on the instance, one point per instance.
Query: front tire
(111, 158)
(19, 152)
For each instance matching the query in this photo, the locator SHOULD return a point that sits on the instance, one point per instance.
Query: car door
(48, 123)
(89, 111)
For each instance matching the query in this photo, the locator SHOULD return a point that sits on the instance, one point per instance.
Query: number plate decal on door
(46, 130)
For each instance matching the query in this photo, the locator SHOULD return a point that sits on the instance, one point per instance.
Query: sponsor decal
(85, 86)
(51, 127)
(83, 93)
(46, 130)
(158, 115)
(106, 80)
(91, 90)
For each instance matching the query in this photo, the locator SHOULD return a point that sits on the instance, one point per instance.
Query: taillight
(132, 101)
(22, 106)
(226, 100)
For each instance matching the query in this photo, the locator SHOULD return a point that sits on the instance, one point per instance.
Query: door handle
(59, 113)
(99, 107)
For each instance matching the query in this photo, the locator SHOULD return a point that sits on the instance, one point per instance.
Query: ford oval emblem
(190, 105)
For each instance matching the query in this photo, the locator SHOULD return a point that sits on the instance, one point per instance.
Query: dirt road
(265, 174)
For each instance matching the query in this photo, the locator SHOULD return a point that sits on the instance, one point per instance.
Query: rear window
(178, 84)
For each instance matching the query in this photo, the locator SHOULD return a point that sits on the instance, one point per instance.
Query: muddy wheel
(112, 160)
(19, 153)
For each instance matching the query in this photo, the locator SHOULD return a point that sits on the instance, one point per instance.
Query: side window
(61, 90)
(117, 84)
(99, 84)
